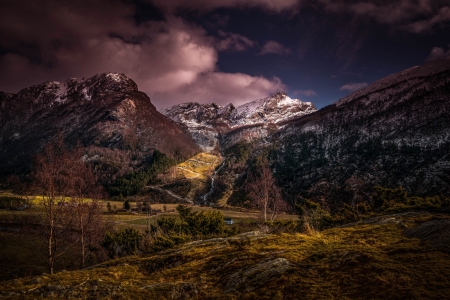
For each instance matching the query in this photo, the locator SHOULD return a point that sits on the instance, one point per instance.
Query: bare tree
(66, 182)
(264, 192)
(51, 180)
(85, 192)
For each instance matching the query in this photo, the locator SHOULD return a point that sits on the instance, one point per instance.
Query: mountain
(208, 124)
(395, 132)
(118, 124)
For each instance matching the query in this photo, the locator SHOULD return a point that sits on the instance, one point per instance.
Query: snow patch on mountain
(206, 122)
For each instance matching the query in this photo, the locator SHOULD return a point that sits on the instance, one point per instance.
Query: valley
(103, 196)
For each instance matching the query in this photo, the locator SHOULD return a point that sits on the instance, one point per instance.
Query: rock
(436, 233)
(35, 280)
(258, 275)
(54, 288)
(173, 291)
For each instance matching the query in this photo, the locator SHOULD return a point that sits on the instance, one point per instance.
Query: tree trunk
(82, 242)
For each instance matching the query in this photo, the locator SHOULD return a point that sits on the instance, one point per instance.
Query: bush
(312, 217)
(397, 200)
(126, 205)
(281, 226)
(167, 232)
(122, 243)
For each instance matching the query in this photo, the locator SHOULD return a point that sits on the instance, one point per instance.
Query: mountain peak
(105, 111)
(279, 95)
(206, 121)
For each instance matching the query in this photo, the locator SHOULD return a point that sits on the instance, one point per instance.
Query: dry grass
(200, 166)
(361, 262)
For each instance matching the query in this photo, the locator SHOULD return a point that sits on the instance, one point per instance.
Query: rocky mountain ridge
(106, 113)
(395, 132)
(208, 123)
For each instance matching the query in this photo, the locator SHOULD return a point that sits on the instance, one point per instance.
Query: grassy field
(19, 258)
(199, 166)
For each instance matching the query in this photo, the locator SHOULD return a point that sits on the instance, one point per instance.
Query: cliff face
(105, 113)
(214, 127)
(395, 132)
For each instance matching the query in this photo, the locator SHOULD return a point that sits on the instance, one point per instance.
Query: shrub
(126, 205)
(122, 243)
(167, 232)
(313, 217)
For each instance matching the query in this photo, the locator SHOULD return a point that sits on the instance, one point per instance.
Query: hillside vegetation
(378, 259)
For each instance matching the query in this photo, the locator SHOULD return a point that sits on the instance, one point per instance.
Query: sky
(221, 51)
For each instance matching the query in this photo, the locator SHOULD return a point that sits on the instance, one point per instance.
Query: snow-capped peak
(206, 121)
(115, 76)
(273, 109)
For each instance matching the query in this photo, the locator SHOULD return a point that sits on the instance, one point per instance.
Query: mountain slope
(395, 132)
(207, 123)
(105, 113)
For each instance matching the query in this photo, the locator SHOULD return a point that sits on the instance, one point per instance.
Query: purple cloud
(438, 52)
(202, 5)
(172, 61)
(414, 16)
(273, 47)
(351, 87)
(233, 42)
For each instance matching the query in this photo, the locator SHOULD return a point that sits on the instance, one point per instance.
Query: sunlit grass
(362, 262)
(200, 166)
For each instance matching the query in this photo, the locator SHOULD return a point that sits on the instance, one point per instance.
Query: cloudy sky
(221, 50)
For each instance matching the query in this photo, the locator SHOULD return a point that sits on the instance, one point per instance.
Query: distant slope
(106, 113)
(395, 132)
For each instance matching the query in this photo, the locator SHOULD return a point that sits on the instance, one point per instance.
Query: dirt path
(170, 193)
(196, 174)
(202, 162)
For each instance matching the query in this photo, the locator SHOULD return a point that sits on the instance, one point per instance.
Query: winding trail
(196, 174)
(170, 193)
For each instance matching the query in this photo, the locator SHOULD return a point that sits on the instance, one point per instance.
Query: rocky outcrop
(258, 275)
(436, 233)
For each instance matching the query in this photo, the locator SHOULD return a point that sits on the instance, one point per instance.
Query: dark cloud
(443, 16)
(271, 5)
(410, 15)
(273, 47)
